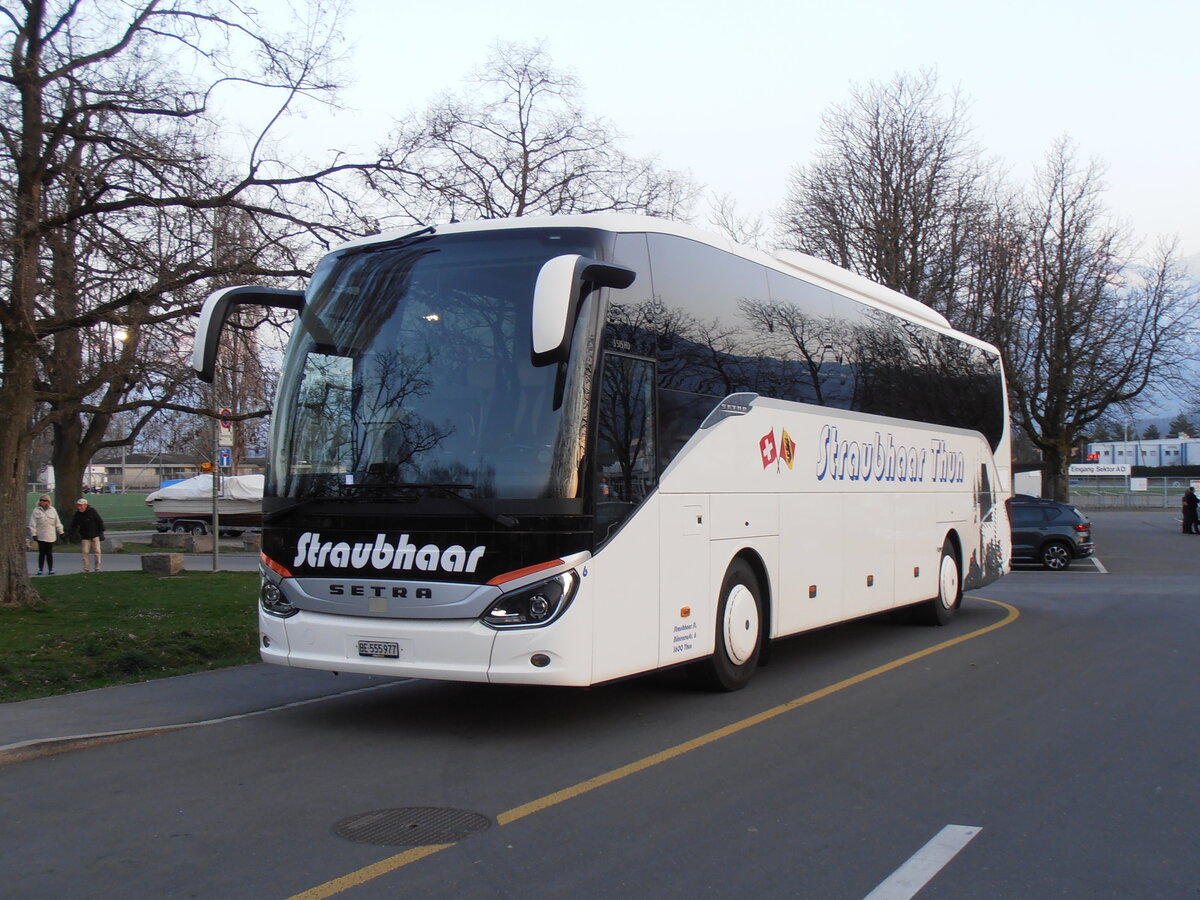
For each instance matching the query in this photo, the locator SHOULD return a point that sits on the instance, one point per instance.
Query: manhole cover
(411, 826)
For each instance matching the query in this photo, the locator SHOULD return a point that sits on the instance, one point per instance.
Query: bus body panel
(868, 585)
(917, 549)
(810, 571)
(744, 516)
(687, 608)
(626, 575)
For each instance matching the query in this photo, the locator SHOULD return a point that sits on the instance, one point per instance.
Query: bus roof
(789, 262)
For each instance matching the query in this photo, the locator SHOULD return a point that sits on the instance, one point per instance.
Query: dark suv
(1048, 532)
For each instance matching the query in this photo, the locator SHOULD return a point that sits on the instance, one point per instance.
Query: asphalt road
(1053, 724)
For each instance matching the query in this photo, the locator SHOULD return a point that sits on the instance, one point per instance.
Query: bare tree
(897, 194)
(100, 384)
(520, 145)
(1092, 330)
(750, 230)
(107, 116)
(895, 190)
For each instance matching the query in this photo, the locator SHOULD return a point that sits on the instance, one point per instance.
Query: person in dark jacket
(90, 527)
(1191, 525)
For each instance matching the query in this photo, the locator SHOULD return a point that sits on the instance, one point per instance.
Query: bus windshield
(409, 374)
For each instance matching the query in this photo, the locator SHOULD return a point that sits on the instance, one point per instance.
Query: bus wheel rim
(741, 624)
(949, 582)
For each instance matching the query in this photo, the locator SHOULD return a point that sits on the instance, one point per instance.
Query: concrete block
(112, 545)
(199, 543)
(252, 542)
(162, 563)
(170, 539)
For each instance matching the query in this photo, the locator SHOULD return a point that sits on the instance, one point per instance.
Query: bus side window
(626, 456)
(985, 498)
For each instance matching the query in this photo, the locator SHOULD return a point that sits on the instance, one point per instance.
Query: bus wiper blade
(393, 243)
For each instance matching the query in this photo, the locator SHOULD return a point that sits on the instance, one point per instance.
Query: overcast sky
(733, 92)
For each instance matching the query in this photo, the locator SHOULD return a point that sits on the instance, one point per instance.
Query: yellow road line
(365, 874)
(402, 859)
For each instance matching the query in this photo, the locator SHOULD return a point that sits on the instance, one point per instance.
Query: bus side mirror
(215, 311)
(556, 298)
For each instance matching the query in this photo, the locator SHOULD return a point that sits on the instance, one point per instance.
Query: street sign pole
(216, 491)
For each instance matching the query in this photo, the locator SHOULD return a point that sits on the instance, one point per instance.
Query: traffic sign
(225, 432)
(225, 457)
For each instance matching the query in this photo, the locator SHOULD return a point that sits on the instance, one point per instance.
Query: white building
(1181, 451)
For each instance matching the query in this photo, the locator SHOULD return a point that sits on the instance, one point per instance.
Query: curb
(38, 748)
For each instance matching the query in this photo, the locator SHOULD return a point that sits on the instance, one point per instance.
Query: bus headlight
(538, 604)
(275, 601)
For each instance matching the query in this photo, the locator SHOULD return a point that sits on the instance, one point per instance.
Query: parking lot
(1051, 727)
(1135, 542)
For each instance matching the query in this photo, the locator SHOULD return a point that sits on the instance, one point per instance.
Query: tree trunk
(68, 467)
(16, 407)
(1056, 483)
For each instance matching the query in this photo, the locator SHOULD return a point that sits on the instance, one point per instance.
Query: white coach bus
(571, 449)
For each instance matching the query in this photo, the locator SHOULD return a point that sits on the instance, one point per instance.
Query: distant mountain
(1138, 426)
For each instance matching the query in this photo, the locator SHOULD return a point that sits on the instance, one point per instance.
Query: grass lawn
(121, 512)
(117, 627)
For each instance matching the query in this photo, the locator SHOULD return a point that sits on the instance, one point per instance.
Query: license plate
(379, 649)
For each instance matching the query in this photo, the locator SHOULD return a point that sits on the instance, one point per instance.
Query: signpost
(223, 457)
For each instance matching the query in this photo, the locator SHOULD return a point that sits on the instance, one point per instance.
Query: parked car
(1048, 532)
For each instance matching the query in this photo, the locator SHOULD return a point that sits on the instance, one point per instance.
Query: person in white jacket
(45, 526)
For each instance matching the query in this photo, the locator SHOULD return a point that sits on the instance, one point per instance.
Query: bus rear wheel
(738, 639)
(940, 609)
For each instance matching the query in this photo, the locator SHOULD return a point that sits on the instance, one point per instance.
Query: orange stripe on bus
(274, 566)
(521, 573)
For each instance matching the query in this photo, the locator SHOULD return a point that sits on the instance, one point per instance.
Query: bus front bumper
(444, 649)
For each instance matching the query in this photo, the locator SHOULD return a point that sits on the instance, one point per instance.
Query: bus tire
(738, 639)
(940, 609)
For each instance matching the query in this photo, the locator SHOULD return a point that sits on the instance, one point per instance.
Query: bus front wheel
(738, 639)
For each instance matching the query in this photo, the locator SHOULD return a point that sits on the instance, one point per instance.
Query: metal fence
(1092, 492)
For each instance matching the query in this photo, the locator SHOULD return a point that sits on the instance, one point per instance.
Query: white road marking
(923, 865)
(1099, 565)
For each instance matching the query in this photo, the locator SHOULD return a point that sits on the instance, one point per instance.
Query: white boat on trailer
(187, 506)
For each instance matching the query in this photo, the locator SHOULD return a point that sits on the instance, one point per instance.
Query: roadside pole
(222, 459)
(216, 491)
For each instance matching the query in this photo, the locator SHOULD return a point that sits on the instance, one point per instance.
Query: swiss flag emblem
(767, 447)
